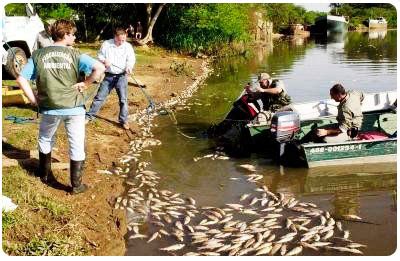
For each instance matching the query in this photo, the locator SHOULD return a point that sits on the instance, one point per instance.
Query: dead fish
(253, 201)
(178, 224)
(295, 251)
(307, 245)
(249, 242)
(163, 232)
(355, 245)
(323, 220)
(223, 248)
(154, 236)
(339, 225)
(352, 217)
(320, 244)
(273, 216)
(186, 220)
(245, 251)
(331, 222)
(275, 249)
(345, 249)
(285, 239)
(192, 201)
(137, 236)
(248, 167)
(235, 206)
(259, 220)
(283, 249)
(250, 212)
(173, 247)
(225, 220)
(243, 197)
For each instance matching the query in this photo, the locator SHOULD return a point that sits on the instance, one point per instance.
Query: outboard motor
(284, 126)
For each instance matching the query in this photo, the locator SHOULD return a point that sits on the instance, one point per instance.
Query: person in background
(139, 30)
(60, 98)
(44, 37)
(119, 58)
(349, 117)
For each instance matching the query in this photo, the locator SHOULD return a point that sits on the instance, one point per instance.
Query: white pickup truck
(19, 39)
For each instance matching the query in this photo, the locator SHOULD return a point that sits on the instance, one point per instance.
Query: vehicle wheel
(16, 59)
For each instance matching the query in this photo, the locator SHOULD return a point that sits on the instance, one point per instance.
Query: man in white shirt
(119, 58)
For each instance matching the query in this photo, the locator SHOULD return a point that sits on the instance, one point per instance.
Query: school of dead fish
(258, 223)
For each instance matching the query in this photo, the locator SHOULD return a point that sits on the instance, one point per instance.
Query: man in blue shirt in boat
(349, 116)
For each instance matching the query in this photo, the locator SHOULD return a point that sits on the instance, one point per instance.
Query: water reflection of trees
(346, 185)
(359, 45)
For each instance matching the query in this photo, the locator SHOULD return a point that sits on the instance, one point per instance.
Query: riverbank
(48, 220)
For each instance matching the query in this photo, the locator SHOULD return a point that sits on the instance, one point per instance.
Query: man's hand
(80, 86)
(107, 63)
(128, 71)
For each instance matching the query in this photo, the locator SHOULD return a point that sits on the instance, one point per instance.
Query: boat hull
(330, 24)
(357, 152)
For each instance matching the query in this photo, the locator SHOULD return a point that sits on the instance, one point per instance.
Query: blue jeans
(120, 83)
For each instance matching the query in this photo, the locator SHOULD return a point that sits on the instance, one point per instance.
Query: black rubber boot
(44, 170)
(76, 170)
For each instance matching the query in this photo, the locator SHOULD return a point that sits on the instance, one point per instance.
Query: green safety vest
(57, 70)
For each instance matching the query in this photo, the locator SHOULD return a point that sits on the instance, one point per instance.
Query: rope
(20, 120)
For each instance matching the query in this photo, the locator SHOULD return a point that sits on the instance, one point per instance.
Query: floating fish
(173, 247)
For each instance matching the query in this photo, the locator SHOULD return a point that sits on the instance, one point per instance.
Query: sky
(321, 7)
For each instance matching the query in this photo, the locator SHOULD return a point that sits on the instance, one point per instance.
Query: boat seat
(372, 135)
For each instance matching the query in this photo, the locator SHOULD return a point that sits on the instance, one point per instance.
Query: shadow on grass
(25, 161)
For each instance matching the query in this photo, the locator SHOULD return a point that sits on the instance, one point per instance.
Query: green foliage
(56, 11)
(282, 15)
(15, 10)
(204, 27)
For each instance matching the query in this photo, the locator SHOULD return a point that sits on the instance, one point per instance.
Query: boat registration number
(336, 148)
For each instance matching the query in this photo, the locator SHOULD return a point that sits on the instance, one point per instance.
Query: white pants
(75, 128)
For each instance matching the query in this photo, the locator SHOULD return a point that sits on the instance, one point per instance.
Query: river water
(308, 67)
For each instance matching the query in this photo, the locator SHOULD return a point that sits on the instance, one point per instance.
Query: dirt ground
(165, 75)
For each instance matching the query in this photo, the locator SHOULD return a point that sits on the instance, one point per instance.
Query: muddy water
(309, 68)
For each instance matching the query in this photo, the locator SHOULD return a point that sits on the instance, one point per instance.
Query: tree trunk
(149, 8)
(102, 30)
(149, 36)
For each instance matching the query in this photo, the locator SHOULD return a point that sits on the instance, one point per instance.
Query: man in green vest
(60, 98)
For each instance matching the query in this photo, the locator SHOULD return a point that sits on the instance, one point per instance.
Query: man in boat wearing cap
(268, 96)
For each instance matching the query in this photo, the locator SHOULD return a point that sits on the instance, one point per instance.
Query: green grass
(9, 219)
(49, 245)
(40, 225)
(55, 208)
(19, 186)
